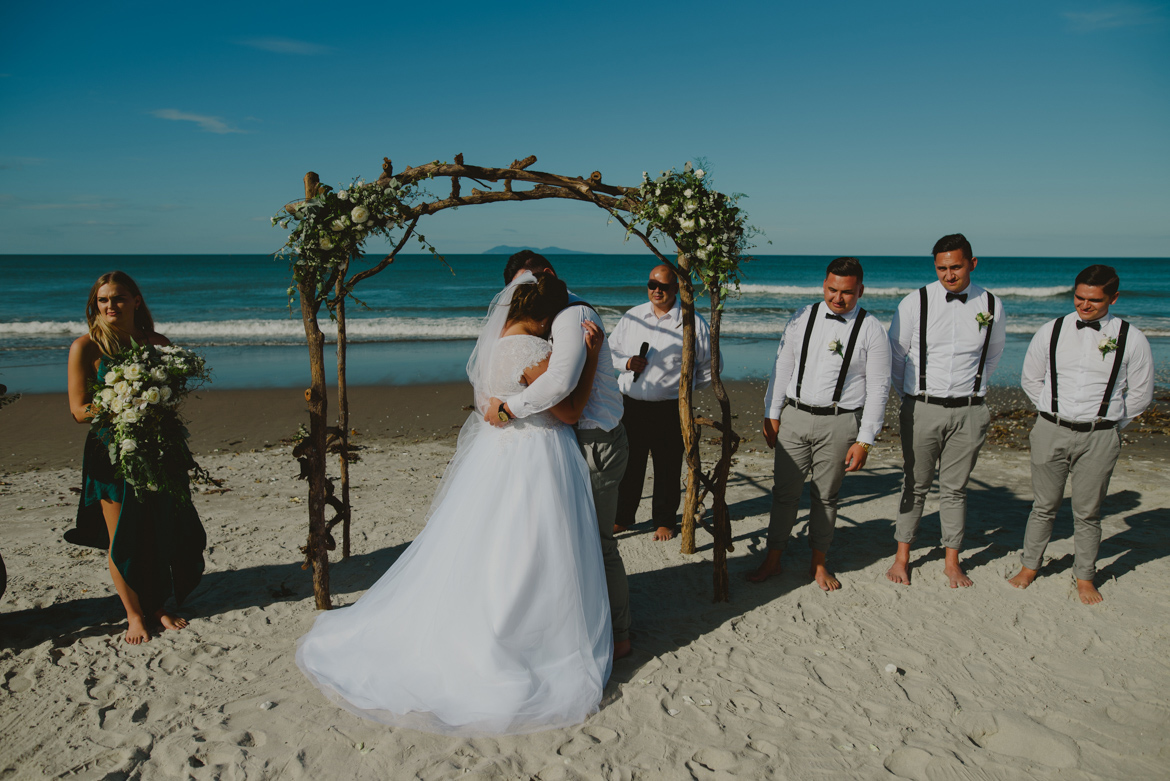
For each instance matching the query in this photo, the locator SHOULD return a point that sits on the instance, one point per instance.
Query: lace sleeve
(514, 354)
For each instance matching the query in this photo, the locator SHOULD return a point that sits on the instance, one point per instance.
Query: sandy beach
(785, 681)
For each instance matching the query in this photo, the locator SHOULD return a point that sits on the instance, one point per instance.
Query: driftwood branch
(386, 261)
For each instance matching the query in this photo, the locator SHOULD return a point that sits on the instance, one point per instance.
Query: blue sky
(1037, 128)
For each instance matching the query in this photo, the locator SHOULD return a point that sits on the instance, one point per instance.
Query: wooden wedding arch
(331, 282)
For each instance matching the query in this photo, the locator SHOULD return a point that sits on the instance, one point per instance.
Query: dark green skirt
(158, 545)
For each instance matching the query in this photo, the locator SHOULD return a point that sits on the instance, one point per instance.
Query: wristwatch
(502, 413)
(865, 445)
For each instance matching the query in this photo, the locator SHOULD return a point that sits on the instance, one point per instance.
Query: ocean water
(420, 317)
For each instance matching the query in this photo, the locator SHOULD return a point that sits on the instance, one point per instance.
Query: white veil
(479, 363)
(478, 372)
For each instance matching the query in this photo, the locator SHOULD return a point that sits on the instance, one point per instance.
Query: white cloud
(210, 124)
(285, 46)
(1113, 16)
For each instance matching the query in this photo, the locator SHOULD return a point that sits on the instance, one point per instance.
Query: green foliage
(707, 226)
(332, 227)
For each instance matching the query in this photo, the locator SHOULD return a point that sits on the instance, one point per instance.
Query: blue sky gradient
(1038, 128)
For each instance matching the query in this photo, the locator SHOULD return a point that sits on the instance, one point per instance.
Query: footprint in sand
(1016, 735)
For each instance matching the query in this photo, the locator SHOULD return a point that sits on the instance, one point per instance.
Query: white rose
(107, 395)
(159, 374)
(122, 388)
(129, 416)
(663, 210)
(128, 446)
(112, 377)
(164, 393)
(152, 396)
(360, 214)
(343, 195)
(702, 241)
(700, 173)
(326, 244)
(703, 254)
(338, 225)
(133, 371)
(117, 405)
(687, 193)
(691, 206)
(687, 225)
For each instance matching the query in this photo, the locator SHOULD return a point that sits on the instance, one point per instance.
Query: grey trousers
(809, 443)
(951, 439)
(607, 452)
(1088, 457)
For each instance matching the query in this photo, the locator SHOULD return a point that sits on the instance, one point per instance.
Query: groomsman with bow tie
(945, 341)
(1089, 375)
(825, 404)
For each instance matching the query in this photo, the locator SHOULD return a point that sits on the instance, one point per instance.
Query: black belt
(951, 401)
(1094, 425)
(831, 410)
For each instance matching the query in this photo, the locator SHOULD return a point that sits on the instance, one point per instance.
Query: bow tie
(831, 316)
(1095, 325)
(957, 296)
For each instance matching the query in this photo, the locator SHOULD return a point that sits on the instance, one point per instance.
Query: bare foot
(1089, 593)
(770, 567)
(170, 622)
(622, 649)
(136, 633)
(954, 572)
(956, 577)
(820, 573)
(1023, 578)
(618, 528)
(899, 572)
(824, 578)
(664, 533)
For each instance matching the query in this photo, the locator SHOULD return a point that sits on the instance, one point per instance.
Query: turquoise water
(422, 316)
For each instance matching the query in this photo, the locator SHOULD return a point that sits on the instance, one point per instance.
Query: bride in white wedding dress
(496, 619)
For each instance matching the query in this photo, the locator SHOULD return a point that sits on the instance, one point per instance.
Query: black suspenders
(808, 329)
(1118, 354)
(848, 356)
(846, 359)
(922, 344)
(1124, 332)
(986, 343)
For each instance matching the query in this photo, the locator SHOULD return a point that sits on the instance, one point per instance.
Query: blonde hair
(99, 330)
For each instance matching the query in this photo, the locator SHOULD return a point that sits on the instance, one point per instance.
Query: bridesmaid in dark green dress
(155, 542)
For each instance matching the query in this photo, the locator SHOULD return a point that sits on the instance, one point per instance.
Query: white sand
(783, 682)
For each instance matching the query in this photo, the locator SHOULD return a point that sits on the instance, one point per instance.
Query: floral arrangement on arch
(706, 225)
(135, 414)
(332, 227)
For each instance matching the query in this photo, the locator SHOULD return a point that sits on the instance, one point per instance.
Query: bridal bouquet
(135, 413)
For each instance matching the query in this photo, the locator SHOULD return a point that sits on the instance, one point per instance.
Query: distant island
(504, 249)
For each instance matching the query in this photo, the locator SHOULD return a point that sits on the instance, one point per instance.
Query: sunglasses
(663, 286)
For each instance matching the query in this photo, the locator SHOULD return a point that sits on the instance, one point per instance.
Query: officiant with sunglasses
(647, 351)
(825, 404)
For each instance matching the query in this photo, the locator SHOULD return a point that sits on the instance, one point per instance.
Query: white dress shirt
(659, 380)
(867, 383)
(1082, 372)
(954, 342)
(604, 408)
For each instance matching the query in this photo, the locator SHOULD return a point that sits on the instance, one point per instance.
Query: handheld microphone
(642, 354)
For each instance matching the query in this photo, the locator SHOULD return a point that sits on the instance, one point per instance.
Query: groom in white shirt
(1089, 375)
(945, 341)
(599, 431)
